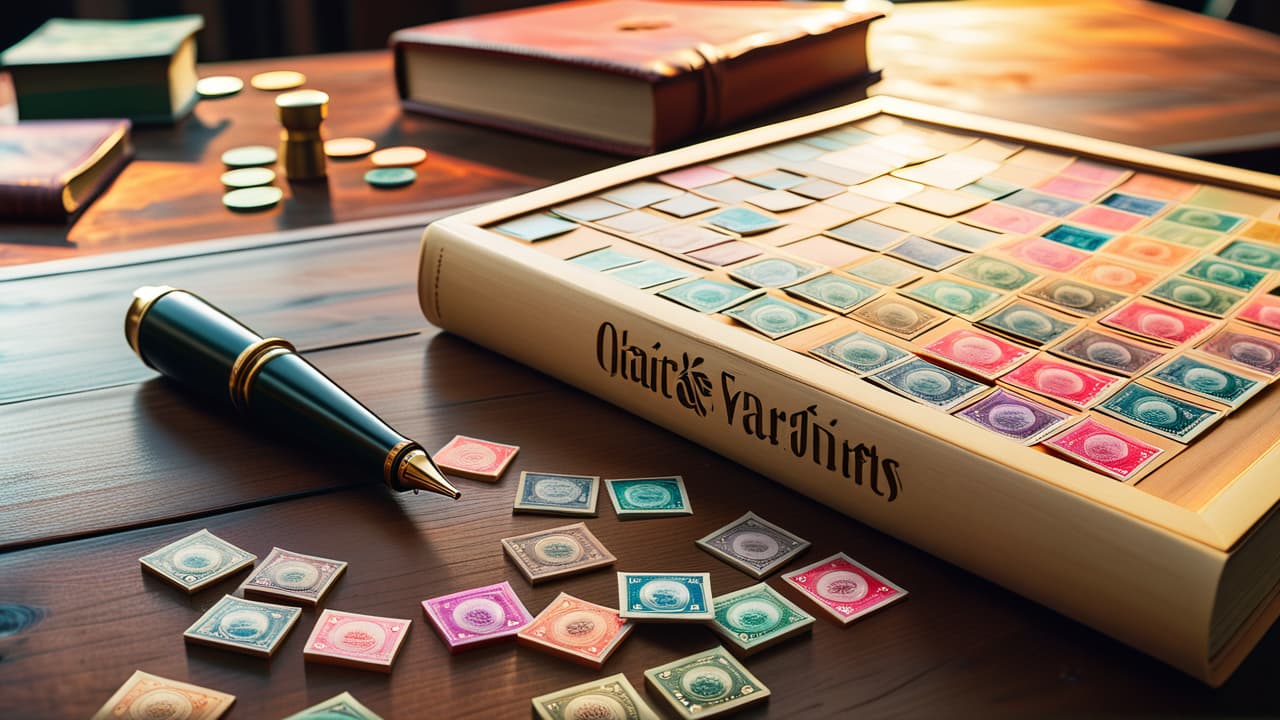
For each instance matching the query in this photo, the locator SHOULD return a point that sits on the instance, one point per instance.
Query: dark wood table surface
(103, 462)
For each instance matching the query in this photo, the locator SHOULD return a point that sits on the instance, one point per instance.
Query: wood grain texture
(325, 292)
(957, 647)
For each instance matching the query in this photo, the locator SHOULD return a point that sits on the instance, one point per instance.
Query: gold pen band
(143, 299)
(391, 466)
(249, 363)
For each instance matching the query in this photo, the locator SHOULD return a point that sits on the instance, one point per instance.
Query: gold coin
(400, 156)
(216, 86)
(278, 80)
(348, 147)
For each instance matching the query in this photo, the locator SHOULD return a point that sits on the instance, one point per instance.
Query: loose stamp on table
(611, 698)
(145, 695)
(362, 641)
(557, 494)
(288, 575)
(758, 617)
(476, 617)
(557, 552)
(665, 597)
(844, 588)
(246, 626)
(706, 684)
(753, 545)
(576, 630)
(197, 560)
(649, 497)
(475, 458)
(343, 706)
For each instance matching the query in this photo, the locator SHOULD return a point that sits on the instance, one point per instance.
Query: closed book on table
(628, 76)
(143, 70)
(52, 169)
(802, 332)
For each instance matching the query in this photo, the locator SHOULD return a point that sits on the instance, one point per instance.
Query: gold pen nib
(418, 472)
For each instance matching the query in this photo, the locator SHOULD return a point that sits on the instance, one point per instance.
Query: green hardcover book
(144, 70)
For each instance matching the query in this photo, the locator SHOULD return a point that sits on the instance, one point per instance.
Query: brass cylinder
(301, 145)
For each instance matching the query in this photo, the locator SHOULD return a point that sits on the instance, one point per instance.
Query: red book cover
(51, 170)
(696, 66)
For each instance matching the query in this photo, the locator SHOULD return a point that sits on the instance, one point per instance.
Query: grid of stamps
(1105, 314)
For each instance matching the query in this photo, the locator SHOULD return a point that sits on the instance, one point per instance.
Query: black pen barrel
(185, 338)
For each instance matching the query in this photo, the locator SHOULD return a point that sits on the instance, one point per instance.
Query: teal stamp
(1221, 272)
(1160, 413)
(834, 291)
(648, 273)
(772, 272)
(343, 706)
(1205, 219)
(743, 221)
(1207, 381)
(1248, 253)
(757, 617)
(246, 626)
(1078, 237)
(649, 497)
(1134, 204)
(1196, 296)
(706, 295)
(860, 353)
(774, 318)
(667, 597)
(966, 237)
(603, 259)
(955, 298)
(536, 227)
(1182, 234)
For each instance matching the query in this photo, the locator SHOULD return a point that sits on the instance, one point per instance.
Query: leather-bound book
(51, 170)
(628, 76)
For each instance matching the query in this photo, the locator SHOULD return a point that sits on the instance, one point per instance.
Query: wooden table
(104, 462)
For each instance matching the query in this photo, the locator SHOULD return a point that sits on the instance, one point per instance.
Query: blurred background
(242, 29)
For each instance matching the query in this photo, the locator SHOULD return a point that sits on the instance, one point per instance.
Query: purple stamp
(1013, 416)
(479, 616)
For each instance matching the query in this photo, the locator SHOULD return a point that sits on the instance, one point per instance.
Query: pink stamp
(475, 458)
(1263, 311)
(476, 617)
(1086, 170)
(694, 177)
(1047, 254)
(361, 641)
(1063, 381)
(844, 588)
(1007, 218)
(1073, 188)
(979, 352)
(1107, 219)
(1157, 322)
(1097, 446)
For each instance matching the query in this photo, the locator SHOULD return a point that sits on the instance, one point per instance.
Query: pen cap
(186, 338)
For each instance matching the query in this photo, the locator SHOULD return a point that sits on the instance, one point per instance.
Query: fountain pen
(182, 336)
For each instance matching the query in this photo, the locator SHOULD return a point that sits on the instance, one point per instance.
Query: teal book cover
(70, 40)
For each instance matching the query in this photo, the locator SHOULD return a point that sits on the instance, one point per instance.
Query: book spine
(1142, 584)
(31, 202)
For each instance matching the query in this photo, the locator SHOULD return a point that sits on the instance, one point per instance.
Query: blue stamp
(667, 597)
